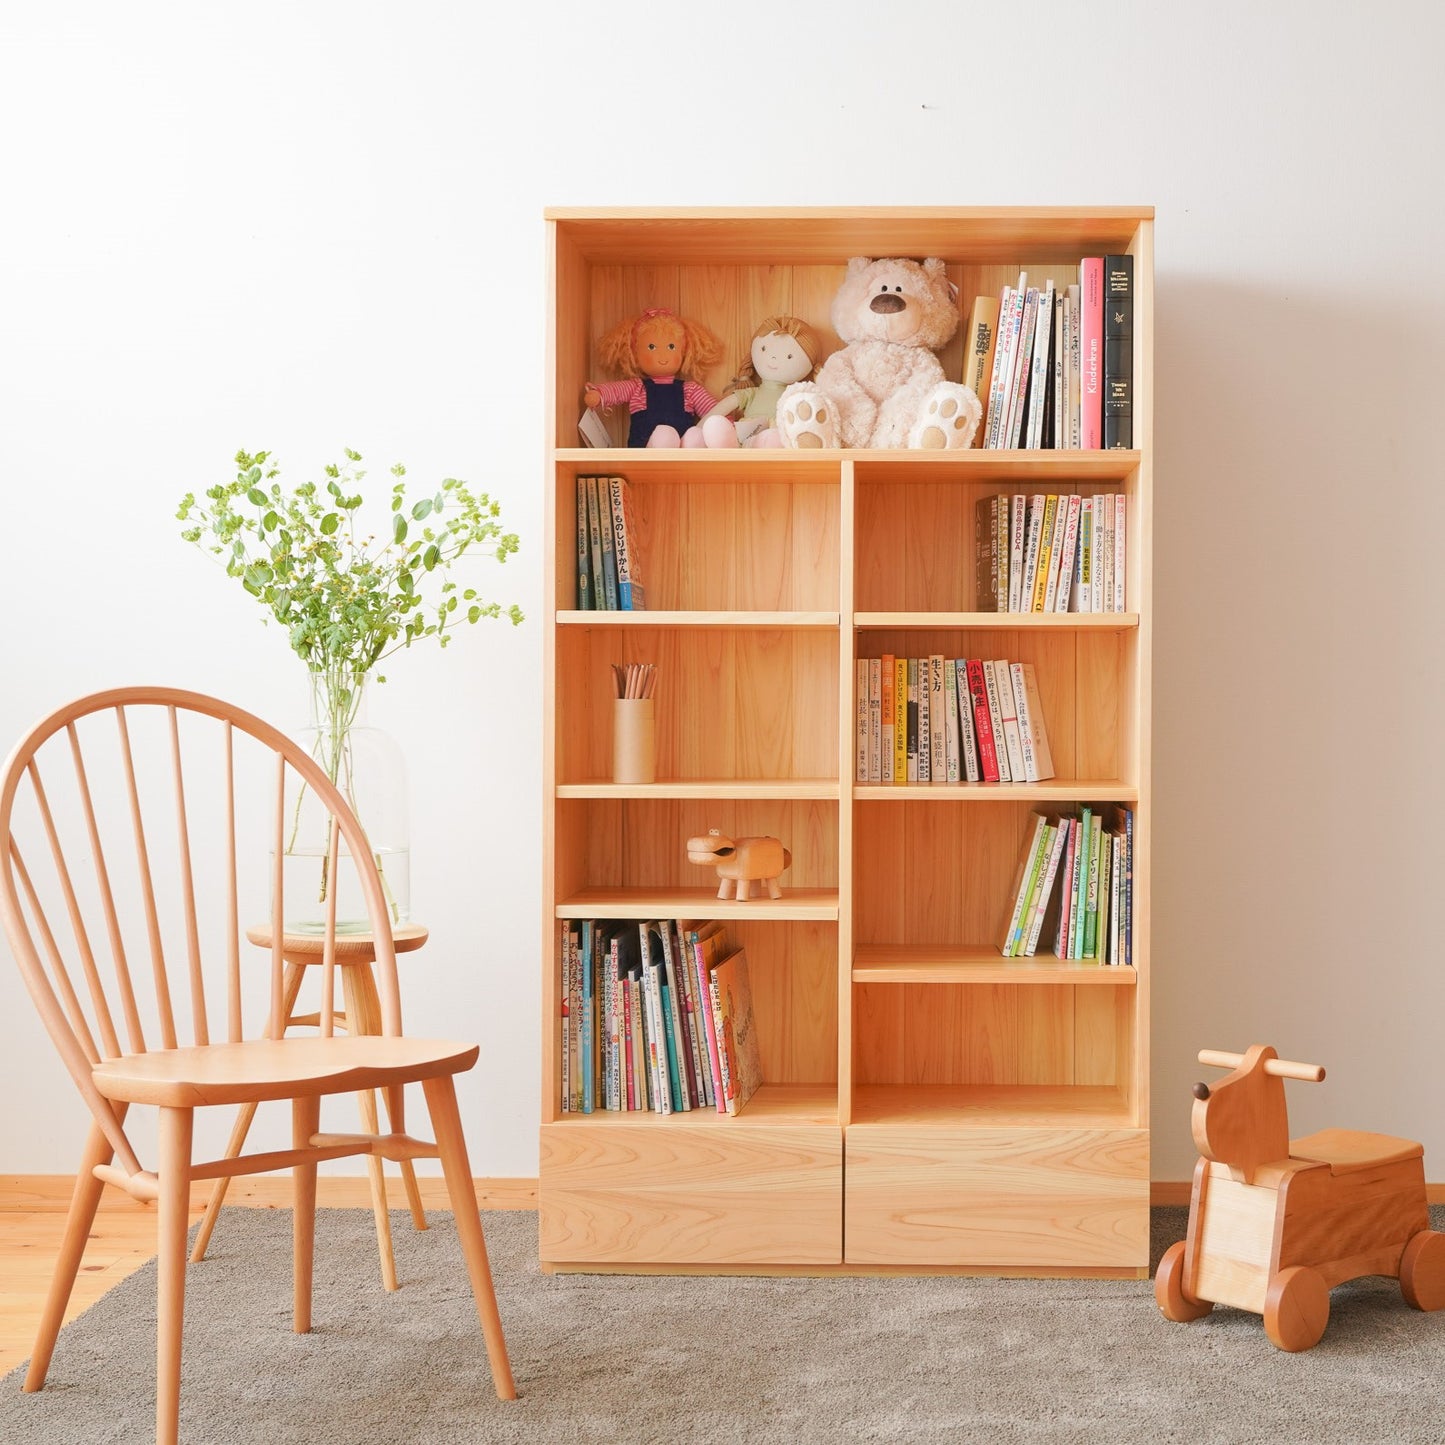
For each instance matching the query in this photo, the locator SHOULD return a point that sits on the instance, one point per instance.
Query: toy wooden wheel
(1422, 1271)
(1173, 1303)
(1296, 1309)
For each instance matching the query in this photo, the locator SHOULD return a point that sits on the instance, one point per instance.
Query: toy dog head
(711, 847)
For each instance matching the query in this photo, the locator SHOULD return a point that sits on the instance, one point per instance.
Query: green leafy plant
(346, 597)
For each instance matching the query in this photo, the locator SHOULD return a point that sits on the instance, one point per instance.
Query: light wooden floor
(32, 1220)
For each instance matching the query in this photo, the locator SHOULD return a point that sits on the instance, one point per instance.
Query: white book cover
(861, 769)
(1015, 340)
(1120, 571)
(1041, 379)
(1026, 736)
(1009, 716)
(1038, 732)
(1069, 561)
(1057, 838)
(1022, 369)
(1056, 554)
(937, 723)
(950, 711)
(995, 717)
(1101, 527)
(996, 387)
(967, 739)
(1104, 522)
(886, 676)
(1061, 371)
(1018, 535)
(1082, 600)
(875, 720)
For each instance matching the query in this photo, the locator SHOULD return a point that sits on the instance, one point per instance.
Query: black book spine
(1118, 351)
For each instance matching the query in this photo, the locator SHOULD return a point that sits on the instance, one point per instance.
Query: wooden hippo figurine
(740, 861)
(1275, 1223)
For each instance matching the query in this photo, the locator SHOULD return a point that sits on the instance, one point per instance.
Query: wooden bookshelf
(928, 1104)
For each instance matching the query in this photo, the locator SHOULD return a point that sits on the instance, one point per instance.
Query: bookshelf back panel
(1079, 676)
(641, 843)
(745, 703)
(920, 1034)
(926, 873)
(721, 544)
(731, 300)
(917, 547)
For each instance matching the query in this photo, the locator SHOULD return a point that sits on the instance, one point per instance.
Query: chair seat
(1346, 1150)
(277, 1069)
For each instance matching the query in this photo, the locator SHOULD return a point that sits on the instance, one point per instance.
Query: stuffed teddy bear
(658, 352)
(886, 387)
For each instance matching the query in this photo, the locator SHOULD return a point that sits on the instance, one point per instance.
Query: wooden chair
(133, 1026)
(1276, 1223)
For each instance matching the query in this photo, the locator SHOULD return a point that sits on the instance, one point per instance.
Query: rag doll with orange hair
(659, 354)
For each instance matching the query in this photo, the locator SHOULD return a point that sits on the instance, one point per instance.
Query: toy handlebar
(1280, 1068)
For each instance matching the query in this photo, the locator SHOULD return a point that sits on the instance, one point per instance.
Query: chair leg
(366, 1101)
(305, 1122)
(83, 1202)
(395, 1112)
(234, 1145)
(175, 1198)
(441, 1101)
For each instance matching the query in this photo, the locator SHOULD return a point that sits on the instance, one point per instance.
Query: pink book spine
(1091, 351)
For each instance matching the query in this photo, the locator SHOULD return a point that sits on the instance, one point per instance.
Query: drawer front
(1050, 1198)
(677, 1193)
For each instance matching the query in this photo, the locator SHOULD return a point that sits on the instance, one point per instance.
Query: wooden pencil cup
(634, 752)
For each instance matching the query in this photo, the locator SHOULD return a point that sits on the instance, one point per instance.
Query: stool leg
(360, 1020)
(395, 1113)
(295, 972)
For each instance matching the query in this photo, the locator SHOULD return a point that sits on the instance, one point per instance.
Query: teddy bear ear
(858, 264)
(934, 266)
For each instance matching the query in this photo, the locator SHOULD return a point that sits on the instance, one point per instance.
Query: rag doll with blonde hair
(659, 354)
(784, 350)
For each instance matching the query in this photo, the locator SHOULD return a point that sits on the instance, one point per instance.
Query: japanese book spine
(1041, 378)
(1121, 570)
(1009, 717)
(983, 727)
(1024, 879)
(609, 545)
(1083, 600)
(1056, 555)
(1041, 561)
(1046, 889)
(937, 723)
(1118, 351)
(594, 541)
(875, 720)
(1032, 539)
(630, 594)
(925, 722)
(1069, 564)
(950, 711)
(900, 720)
(979, 347)
(886, 677)
(967, 740)
(1071, 299)
(860, 772)
(585, 600)
(995, 720)
(1018, 535)
(912, 774)
(1018, 400)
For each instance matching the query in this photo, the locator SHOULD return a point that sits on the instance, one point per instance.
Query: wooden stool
(355, 954)
(1275, 1223)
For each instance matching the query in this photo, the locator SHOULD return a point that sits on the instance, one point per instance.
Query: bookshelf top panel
(828, 236)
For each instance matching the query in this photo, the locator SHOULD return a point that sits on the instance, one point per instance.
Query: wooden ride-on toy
(1275, 1223)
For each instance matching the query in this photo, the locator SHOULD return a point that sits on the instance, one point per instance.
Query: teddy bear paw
(805, 418)
(949, 420)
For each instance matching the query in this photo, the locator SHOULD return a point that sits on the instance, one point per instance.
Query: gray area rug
(623, 1359)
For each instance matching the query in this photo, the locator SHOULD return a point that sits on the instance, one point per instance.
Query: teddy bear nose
(887, 303)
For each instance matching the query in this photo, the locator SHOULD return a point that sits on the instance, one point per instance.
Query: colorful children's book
(732, 998)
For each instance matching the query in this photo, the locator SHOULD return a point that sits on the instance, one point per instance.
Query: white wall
(309, 226)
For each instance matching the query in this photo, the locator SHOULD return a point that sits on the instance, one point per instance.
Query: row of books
(1054, 365)
(1051, 553)
(949, 720)
(1075, 884)
(609, 572)
(656, 1015)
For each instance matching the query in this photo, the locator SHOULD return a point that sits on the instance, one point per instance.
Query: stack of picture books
(609, 569)
(1050, 552)
(1074, 886)
(950, 720)
(655, 1015)
(1053, 365)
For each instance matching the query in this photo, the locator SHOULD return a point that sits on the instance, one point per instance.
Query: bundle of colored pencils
(635, 679)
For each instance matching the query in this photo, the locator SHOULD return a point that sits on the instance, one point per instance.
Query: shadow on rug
(612, 1358)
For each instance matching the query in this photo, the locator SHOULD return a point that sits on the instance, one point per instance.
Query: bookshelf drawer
(1011, 1196)
(719, 1191)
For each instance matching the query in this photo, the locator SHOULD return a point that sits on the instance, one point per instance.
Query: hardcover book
(630, 594)
(1118, 351)
(732, 997)
(1091, 352)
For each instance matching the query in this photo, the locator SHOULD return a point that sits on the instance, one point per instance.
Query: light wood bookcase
(928, 1105)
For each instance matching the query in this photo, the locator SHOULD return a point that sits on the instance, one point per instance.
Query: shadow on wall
(1293, 435)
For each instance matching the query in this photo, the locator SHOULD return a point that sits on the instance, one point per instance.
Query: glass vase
(369, 771)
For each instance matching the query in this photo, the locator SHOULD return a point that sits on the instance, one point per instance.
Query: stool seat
(1347, 1150)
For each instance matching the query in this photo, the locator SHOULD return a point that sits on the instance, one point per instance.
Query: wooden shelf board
(1003, 621)
(1056, 790)
(977, 465)
(773, 1106)
(827, 236)
(697, 618)
(781, 788)
(978, 963)
(796, 904)
(679, 466)
(1090, 1106)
